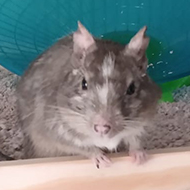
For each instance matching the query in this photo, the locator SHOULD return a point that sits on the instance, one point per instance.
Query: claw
(101, 161)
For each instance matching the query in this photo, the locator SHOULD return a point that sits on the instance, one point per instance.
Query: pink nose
(102, 129)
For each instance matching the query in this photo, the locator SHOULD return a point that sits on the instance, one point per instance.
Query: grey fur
(57, 115)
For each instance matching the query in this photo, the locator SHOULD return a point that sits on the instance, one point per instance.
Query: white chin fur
(109, 143)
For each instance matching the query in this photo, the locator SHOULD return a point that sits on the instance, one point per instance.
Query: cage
(29, 27)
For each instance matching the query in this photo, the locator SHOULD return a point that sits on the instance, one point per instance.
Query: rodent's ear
(83, 41)
(139, 43)
(137, 46)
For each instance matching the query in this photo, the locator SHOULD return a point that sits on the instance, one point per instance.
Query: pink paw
(101, 161)
(138, 157)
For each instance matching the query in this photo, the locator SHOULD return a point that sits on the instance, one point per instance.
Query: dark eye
(131, 89)
(84, 84)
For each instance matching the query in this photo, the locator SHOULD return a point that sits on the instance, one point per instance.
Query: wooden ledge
(167, 169)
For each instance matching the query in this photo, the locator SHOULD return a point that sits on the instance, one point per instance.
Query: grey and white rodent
(84, 95)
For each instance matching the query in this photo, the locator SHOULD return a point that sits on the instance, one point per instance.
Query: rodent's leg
(136, 151)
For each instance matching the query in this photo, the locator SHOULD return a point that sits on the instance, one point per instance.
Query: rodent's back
(36, 90)
(45, 66)
(40, 82)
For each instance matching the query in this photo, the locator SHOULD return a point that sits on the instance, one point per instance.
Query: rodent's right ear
(138, 44)
(83, 41)
(137, 48)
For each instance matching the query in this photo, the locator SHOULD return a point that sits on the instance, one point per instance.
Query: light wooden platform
(166, 170)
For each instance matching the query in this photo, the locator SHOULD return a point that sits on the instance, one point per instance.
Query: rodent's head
(113, 90)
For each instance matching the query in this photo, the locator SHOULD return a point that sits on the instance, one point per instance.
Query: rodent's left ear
(138, 45)
(83, 41)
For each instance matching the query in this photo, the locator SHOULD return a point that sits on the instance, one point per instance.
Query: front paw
(138, 156)
(101, 160)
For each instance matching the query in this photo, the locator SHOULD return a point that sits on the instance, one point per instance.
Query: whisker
(65, 110)
(23, 118)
